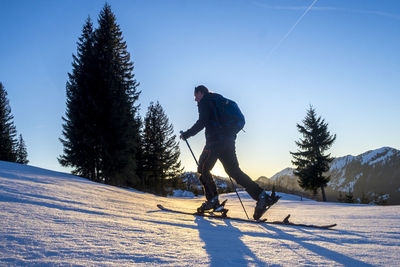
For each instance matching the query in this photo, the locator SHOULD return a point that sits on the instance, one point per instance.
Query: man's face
(198, 96)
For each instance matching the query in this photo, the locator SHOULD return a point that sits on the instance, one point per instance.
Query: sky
(274, 58)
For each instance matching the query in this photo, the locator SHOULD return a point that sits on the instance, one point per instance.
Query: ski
(262, 221)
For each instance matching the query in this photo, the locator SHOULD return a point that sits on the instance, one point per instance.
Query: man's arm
(204, 113)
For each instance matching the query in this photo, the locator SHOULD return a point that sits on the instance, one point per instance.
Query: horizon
(274, 58)
(224, 175)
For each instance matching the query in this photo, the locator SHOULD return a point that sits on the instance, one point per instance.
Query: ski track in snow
(50, 218)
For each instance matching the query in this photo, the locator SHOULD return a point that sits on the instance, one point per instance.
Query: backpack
(231, 119)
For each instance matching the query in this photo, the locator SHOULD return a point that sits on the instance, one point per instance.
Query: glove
(183, 135)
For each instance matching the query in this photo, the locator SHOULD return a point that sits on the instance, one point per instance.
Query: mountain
(192, 183)
(373, 174)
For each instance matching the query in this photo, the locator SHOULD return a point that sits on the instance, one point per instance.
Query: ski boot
(213, 205)
(264, 203)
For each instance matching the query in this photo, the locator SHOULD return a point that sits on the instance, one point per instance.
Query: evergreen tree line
(104, 137)
(374, 198)
(12, 148)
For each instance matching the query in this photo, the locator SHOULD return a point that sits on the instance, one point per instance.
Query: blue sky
(342, 57)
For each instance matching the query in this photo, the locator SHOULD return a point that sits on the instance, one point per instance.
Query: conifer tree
(101, 128)
(117, 96)
(8, 131)
(364, 199)
(160, 150)
(310, 160)
(349, 198)
(22, 154)
(80, 139)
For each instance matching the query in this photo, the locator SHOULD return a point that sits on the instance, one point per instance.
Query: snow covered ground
(50, 218)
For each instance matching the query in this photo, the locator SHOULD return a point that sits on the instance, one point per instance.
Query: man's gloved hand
(183, 137)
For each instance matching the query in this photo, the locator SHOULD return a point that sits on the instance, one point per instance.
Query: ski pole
(234, 186)
(197, 163)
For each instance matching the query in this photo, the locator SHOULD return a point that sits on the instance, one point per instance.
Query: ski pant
(224, 151)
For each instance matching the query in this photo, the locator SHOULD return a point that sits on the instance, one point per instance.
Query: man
(220, 144)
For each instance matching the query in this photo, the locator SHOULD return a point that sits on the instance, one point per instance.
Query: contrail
(291, 29)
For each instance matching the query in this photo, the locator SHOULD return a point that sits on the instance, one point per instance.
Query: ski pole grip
(181, 132)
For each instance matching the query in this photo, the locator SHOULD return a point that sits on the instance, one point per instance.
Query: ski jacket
(208, 119)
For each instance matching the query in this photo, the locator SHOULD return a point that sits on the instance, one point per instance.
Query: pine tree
(80, 139)
(22, 154)
(364, 199)
(341, 198)
(8, 131)
(160, 150)
(117, 91)
(310, 160)
(101, 129)
(349, 198)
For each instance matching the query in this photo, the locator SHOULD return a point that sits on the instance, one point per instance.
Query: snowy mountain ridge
(284, 172)
(370, 173)
(370, 157)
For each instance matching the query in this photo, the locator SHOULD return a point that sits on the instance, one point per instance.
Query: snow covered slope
(50, 218)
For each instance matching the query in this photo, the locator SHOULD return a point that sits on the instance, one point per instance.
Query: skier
(220, 144)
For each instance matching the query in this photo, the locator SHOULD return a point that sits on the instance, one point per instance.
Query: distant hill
(192, 183)
(375, 172)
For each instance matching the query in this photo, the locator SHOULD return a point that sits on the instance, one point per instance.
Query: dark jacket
(207, 119)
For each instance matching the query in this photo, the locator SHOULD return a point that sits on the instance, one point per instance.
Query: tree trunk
(323, 193)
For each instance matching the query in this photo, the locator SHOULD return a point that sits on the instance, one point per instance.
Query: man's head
(199, 92)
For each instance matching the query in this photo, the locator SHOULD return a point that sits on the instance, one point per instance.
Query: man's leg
(207, 160)
(231, 165)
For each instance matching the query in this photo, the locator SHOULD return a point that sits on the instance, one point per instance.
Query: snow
(287, 171)
(339, 163)
(368, 157)
(50, 218)
(337, 184)
(350, 186)
(182, 193)
(341, 181)
(383, 157)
